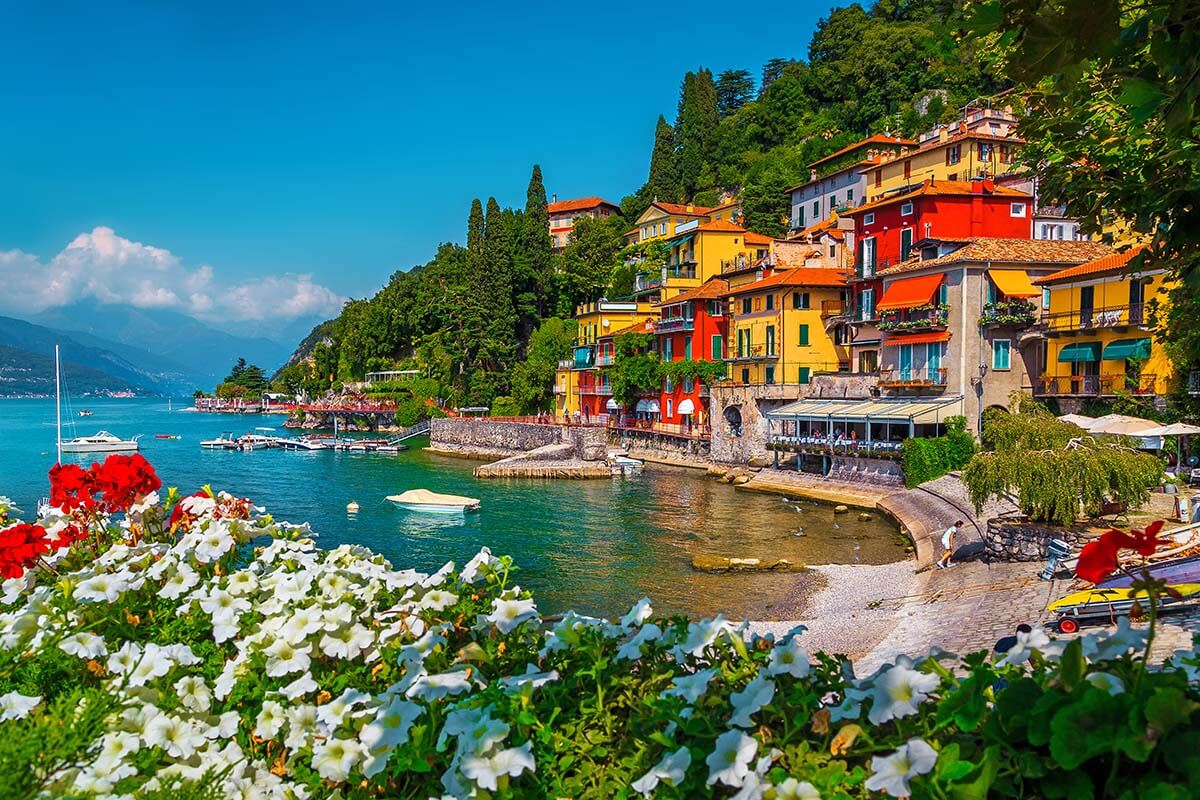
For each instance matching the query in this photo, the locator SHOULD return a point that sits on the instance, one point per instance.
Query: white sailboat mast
(57, 405)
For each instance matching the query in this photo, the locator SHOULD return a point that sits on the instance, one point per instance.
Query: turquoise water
(596, 546)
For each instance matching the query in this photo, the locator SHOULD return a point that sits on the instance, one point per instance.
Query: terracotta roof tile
(711, 289)
(1111, 263)
(756, 238)
(683, 210)
(581, 204)
(800, 276)
(826, 227)
(1009, 251)
(931, 188)
(878, 138)
(961, 136)
(641, 326)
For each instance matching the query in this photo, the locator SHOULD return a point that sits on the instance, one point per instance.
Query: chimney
(943, 133)
(812, 174)
(979, 185)
(691, 207)
(554, 198)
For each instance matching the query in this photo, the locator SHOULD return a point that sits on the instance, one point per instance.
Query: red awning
(917, 338)
(910, 292)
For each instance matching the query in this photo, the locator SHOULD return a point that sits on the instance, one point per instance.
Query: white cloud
(109, 268)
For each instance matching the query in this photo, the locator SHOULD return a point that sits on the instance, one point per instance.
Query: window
(943, 294)
(816, 209)
(770, 374)
(745, 376)
(743, 342)
(953, 154)
(758, 303)
(1002, 354)
(985, 151)
(718, 346)
(832, 250)
(799, 216)
(1045, 298)
(667, 350)
(668, 386)
(868, 258)
(869, 219)
(715, 309)
(771, 302)
(905, 242)
(850, 197)
(866, 304)
(933, 361)
(868, 361)
(688, 385)
(800, 300)
(992, 294)
(878, 177)
(907, 170)
(803, 341)
(1016, 209)
(670, 408)
(805, 372)
(770, 340)
(687, 349)
(906, 209)
(746, 305)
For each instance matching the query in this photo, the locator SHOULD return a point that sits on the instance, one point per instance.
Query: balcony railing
(1095, 318)
(631, 425)
(604, 359)
(596, 388)
(566, 363)
(648, 281)
(1094, 385)
(832, 308)
(918, 319)
(1017, 313)
(914, 376)
(685, 270)
(1193, 385)
(752, 352)
(733, 264)
(674, 325)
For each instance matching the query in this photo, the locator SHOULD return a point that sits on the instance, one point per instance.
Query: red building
(930, 220)
(595, 385)
(692, 326)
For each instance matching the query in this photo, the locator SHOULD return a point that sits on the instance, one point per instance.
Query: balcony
(734, 264)
(686, 270)
(925, 318)
(1193, 384)
(913, 378)
(648, 280)
(1094, 385)
(754, 352)
(604, 359)
(602, 389)
(675, 325)
(832, 308)
(1107, 318)
(566, 363)
(1014, 313)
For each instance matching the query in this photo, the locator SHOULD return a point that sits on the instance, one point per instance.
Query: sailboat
(102, 442)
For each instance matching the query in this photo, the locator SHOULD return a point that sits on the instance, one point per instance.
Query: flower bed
(199, 647)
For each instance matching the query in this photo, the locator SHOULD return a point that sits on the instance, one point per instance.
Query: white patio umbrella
(1081, 420)
(1174, 429)
(1122, 425)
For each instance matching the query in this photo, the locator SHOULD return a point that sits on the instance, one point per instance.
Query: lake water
(596, 546)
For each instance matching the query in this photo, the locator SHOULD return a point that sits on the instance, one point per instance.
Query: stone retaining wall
(484, 434)
(1017, 539)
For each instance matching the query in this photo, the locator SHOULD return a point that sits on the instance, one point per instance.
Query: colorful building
(697, 252)
(837, 181)
(1099, 330)
(563, 214)
(983, 144)
(828, 244)
(599, 317)
(660, 220)
(692, 326)
(777, 326)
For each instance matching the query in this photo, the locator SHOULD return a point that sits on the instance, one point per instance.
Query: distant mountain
(125, 368)
(200, 351)
(24, 373)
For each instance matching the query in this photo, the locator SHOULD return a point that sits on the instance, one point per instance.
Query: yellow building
(660, 220)
(1099, 330)
(699, 252)
(777, 328)
(593, 320)
(982, 144)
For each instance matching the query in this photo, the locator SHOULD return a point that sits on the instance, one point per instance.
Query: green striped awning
(1080, 351)
(683, 241)
(1127, 348)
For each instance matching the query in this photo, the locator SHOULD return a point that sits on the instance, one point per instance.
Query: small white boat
(622, 464)
(223, 442)
(102, 442)
(432, 502)
(254, 441)
(86, 413)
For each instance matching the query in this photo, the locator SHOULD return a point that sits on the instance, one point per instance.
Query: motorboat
(86, 412)
(254, 441)
(223, 442)
(432, 502)
(303, 443)
(167, 436)
(622, 464)
(102, 442)
(1174, 571)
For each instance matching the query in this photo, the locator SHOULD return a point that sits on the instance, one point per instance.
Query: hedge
(927, 459)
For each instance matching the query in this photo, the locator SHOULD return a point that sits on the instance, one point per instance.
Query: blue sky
(340, 141)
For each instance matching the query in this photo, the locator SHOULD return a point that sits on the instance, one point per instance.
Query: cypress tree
(473, 314)
(535, 274)
(497, 284)
(475, 242)
(696, 129)
(664, 173)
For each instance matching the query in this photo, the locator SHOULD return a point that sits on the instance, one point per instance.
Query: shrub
(505, 406)
(927, 459)
(209, 645)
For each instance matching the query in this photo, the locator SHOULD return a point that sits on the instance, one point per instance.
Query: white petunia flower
(348, 642)
(176, 736)
(387, 731)
(213, 543)
(632, 649)
(898, 692)
(1111, 646)
(101, 588)
(758, 693)
(1035, 640)
(671, 769)
(479, 567)
(437, 600)
(690, 687)
(477, 731)
(531, 678)
(435, 687)
(485, 770)
(893, 773)
(193, 693)
(792, 789)
(15, 705)
(302, 725)
(640, 612)
(284, 658)
(179, 582)
(699, 636)
(301, 624)
(83, 644)
(1106, 681)
(241, 583)
(508, 614)
(12, 589)
(299, 687)
(334, 758)
(270, 720)
(729, 762)
(337, 710)
(416, 652)
(789, 657)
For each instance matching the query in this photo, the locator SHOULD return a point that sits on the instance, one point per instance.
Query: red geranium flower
(70, 487)
(122, 480)
(1098, 559)
(20, 547)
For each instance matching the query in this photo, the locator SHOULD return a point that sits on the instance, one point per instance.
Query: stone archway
(733, 417)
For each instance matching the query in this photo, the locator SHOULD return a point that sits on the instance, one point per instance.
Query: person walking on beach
(948, 545)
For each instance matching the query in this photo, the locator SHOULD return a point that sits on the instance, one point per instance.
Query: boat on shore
(432, 502)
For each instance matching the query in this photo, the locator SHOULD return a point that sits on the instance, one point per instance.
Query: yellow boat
(1106, 604)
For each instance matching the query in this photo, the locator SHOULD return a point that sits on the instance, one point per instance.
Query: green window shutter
(717, 347)
(805, 373)
(687, 349)
(804, 335)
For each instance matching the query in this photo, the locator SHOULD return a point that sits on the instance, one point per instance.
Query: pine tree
(534, 272)
(475, 240)
(771, 72)
(497, 285)
(735, 88)
(664, 172)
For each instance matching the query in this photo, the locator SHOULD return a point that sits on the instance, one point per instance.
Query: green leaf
(1169, 708)
(979, 788)
(1142, 98)
(1072, 666)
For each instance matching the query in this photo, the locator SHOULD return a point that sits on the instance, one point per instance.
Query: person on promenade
(948, 545)
(1006, 643)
